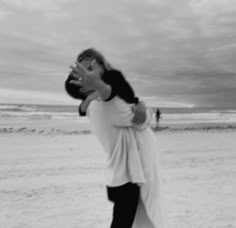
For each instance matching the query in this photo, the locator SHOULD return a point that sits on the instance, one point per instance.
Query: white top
(108, 121)
(131, 156)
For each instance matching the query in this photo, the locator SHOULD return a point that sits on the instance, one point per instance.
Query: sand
(56, 179)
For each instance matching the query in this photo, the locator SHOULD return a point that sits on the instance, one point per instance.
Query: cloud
(4, 14)
(211, 13)
(167, 49)
(157, 102)
(212, 6)
(34, 97)
(36, 5)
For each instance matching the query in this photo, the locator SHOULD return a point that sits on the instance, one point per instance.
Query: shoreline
(63, 131)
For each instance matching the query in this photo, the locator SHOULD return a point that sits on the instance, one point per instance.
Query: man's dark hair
(74, 90)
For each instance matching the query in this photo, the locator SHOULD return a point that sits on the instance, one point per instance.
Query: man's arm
(124, 115)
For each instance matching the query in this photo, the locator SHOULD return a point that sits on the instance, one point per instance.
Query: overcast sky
(180, 52)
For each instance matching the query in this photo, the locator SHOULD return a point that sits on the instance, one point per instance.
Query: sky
(177, 53)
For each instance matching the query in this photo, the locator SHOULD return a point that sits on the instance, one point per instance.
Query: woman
(133, 182)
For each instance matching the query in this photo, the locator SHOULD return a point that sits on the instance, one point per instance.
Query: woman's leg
(125, 199)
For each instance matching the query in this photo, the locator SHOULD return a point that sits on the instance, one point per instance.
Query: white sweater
(132, 156)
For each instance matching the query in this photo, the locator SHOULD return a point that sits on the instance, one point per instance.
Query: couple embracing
(121, 123)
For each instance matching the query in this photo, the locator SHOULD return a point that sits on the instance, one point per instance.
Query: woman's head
(87, 56)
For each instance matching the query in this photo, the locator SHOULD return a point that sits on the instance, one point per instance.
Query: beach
(176, 57)
(53, 176)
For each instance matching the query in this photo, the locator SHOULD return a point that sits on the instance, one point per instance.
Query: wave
(177, 116)
(200, 118)
(16, 108)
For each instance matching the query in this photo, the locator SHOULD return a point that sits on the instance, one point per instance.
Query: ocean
(170, 117)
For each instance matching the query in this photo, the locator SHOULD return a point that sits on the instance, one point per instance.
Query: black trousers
(125, 199)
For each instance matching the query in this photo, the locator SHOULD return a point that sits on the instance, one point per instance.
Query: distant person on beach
(121, 123)
(158, 117)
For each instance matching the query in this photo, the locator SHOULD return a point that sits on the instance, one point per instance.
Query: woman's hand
(90, 80)
(140, 114)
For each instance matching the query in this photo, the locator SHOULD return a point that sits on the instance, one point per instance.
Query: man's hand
(140, 114)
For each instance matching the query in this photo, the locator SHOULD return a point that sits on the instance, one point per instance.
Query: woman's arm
(103, 89)
(84, 105)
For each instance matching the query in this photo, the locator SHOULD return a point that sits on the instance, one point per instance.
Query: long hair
(91, 53)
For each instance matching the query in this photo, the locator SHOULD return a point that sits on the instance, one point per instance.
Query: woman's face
(87, 63)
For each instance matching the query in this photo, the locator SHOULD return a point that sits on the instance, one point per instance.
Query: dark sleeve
(81, 113)
(73, 90)
(119, 86)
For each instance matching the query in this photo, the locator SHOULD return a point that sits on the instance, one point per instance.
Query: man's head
(73, 90)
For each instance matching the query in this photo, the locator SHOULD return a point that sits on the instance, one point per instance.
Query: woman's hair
(94, 54)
